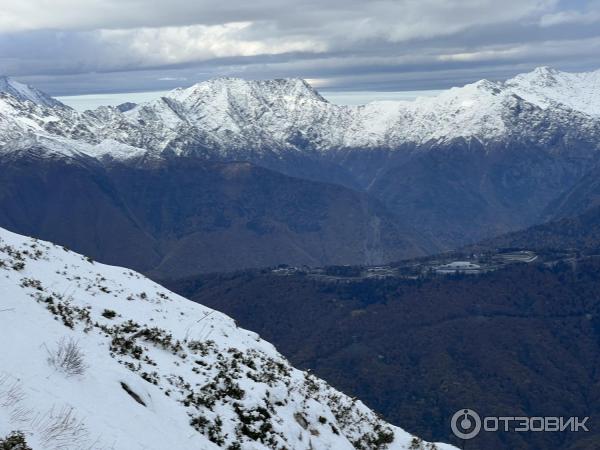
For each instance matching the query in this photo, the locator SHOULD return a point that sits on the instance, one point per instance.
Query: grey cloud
(294, 15)
(111, 45)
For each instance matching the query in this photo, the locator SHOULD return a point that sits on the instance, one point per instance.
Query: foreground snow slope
(158, 371)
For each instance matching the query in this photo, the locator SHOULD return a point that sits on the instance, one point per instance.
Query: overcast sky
(93, 46)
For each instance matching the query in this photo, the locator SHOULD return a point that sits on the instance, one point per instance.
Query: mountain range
(471, 163)
(437, 173)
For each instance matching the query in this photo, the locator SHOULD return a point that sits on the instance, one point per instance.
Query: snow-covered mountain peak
(101, 357)
(486, 86)
(548, 87)
(238, 90)
(545, 75)
(292, 87)
(482, 91)
(25, 92)
(476, 110)
(230, 113)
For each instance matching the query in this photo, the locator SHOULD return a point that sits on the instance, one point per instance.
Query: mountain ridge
(25, 92)
(522, 145)
(231, 113)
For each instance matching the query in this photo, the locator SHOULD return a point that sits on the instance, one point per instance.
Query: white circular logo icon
(466, 424)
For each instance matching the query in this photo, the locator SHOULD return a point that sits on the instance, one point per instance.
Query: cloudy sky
(94, 46)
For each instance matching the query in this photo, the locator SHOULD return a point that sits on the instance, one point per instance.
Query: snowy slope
(547, 87)
(474, 110)
(228, 114)
(159, 372)
(57, 131)
(25, 92)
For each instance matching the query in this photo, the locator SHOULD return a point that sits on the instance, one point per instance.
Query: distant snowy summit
(236, 118)
(25, 92)
(547, 87)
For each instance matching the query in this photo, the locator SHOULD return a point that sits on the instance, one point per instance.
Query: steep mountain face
(465, 194)
(547, 87)
(584, 195)
(580, 232)
(468, 189)
(100, 357)
(25, 92)
(472, 162)
(522, 341)
(186, 216)
(72, 202)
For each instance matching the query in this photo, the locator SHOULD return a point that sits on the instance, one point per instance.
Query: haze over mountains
(391, 179)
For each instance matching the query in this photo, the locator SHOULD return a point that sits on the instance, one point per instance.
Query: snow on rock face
(547, 87)
(238, 119)
(236, 113)
(229, 116)
(474, 110)
(27, 93)
(142, 368)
